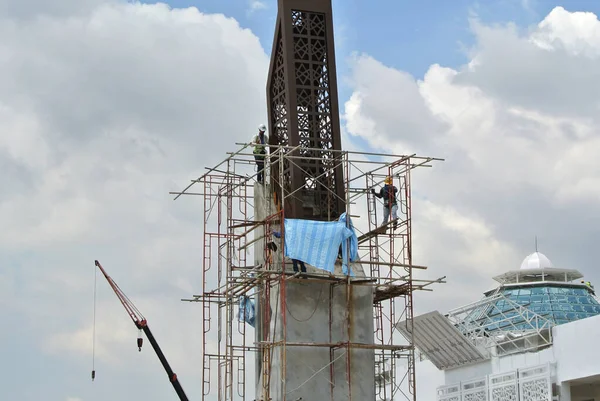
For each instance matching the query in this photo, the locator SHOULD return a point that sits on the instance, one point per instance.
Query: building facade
(534, 337)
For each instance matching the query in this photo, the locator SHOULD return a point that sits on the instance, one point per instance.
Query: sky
(107, 105)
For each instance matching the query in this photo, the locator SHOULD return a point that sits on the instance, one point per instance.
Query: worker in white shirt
(260, 150)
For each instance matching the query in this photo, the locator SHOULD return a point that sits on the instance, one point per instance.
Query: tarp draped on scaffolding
(318, 242)
(353, 243)
(246, 310)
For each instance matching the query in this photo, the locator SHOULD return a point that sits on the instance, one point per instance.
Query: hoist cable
(94, 329)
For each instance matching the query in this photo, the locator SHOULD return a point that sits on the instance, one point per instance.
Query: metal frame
(231, 227)
(302, 101)
(522, 330)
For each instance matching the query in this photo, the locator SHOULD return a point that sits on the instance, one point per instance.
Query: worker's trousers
(260, 165)
(386, 213)
(302, 266)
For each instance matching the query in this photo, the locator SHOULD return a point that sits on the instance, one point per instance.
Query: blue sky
(406, 34)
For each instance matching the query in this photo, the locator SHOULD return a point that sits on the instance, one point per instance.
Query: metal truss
(501, 326)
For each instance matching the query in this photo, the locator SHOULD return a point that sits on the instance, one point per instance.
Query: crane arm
(133, 312)
(141, 323)
(172, 376)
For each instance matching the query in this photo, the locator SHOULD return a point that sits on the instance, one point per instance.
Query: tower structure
(326, 334)
(303, 111)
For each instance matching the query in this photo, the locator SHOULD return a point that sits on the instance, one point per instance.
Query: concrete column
(565, 391)
(315, 314)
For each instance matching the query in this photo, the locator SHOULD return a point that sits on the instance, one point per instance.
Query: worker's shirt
(388, 194)
(260, 143)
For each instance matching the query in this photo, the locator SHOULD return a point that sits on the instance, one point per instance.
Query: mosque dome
(536, 260)
(552, 293)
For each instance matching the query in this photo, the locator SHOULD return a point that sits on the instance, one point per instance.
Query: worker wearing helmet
(260, 150)
(388, 194)
(589, 284)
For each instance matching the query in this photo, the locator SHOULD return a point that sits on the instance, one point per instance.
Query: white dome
(536, 260)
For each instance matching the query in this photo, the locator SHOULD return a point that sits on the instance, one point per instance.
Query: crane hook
(140, 341)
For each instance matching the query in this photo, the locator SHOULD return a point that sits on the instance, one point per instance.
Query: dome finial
(536, 248)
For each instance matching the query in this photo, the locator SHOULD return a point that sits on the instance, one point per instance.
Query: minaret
(303, 111)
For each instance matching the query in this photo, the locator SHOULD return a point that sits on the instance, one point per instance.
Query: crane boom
(142, 324)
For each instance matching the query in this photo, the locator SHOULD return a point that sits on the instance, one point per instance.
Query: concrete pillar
(315, 313)
(565, 391)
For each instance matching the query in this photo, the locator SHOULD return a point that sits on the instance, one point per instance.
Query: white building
(535, 337)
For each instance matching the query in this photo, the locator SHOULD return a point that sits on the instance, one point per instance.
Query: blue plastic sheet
(246, 310)
(318, 242)
(353, 254)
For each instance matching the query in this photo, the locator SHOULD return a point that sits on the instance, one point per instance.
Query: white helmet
(262, 128)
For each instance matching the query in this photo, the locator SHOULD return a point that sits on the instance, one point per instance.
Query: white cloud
(112, 105)
(518, 127)
(256, 5)
(576, 32)
(109, 107)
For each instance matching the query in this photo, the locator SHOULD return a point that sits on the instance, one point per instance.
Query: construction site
(307, 274)
(332, 330)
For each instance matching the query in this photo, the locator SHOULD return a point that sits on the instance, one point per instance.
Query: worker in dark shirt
(390, 205)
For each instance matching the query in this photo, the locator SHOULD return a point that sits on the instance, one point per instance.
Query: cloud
(518, 127)
(256, 5)
(110, 106)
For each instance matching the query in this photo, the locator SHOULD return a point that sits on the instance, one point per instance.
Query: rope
(317, 372)
(313, 312)
(94, 329)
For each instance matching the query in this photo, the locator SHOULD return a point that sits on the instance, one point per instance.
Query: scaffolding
(234, 226)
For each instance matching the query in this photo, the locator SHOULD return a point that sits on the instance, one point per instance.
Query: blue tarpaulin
(246, 310)
(318, 242)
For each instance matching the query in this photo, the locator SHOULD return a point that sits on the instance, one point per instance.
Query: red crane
(142, 324)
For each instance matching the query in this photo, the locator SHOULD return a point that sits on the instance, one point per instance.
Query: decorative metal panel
(449, 393)
(279, 122)
(503, 387)
(303, 112)
(529, 384)
(535, 383)
(475, 390)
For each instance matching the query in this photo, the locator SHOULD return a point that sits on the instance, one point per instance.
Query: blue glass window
(536, 298)
(558, 303)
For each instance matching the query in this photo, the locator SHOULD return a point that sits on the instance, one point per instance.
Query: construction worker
(588, 284)
(388, 194)
(260, 150)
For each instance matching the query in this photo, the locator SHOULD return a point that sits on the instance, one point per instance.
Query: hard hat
(388, 180)
(262, 127)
